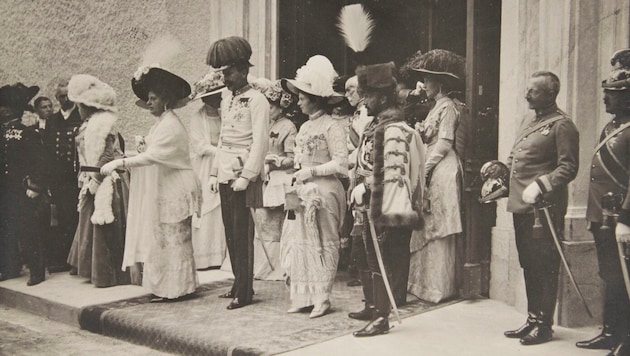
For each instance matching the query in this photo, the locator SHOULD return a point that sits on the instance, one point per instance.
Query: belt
(234, 145)
(96, 169)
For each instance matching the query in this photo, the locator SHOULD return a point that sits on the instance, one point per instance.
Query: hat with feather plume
(619, 77)
(448, 66)
(356, 25)
(90, 91)
(316, 78)
(229, 51)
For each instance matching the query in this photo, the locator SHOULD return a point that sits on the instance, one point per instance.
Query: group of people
(249, 167)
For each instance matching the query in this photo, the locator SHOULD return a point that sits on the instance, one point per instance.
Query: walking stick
(381, 267)
(624, 267)
(262, 243)
(556, 241)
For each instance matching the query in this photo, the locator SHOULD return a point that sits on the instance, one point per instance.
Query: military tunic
(548, 156)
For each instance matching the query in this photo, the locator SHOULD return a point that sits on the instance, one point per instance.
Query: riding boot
(368, 311)
(380, 325)
(541, 332)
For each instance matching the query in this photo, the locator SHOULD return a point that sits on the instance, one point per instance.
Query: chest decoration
(13, 134)
(240, 108)
(545, 130)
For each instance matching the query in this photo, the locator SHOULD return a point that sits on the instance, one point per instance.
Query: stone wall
(44, 42)
(574, 39)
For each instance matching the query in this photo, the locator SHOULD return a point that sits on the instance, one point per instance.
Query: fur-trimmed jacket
(398, 178)
(98, 144)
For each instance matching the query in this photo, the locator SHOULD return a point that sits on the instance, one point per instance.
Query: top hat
(376, 76)
(18, 96)
(146, 78)
(229, 51)
(211, 84)
(316, 78)
(89, 90)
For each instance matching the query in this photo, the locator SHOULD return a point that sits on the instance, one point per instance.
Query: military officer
(63, 127)
(543, 160)
(610, 174)
(25, 204)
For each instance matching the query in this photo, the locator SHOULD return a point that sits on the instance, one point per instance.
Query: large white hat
(89, 90)
(316, 77)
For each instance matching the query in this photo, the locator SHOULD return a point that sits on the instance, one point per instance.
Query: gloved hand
(531, 193)
(32, 194)
(93, 186)
(240, 184)
(109, 167)
(213, 183)
(622, 232)
(303, 174)
(357, 194)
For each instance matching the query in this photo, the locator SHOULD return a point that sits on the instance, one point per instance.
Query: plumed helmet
(618, 79)
(449, 66)
(621, 59)
(316, 78)
(229, 51)
(495, 175)
(89, 90)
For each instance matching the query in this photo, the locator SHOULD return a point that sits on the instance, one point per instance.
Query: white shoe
(320, 310)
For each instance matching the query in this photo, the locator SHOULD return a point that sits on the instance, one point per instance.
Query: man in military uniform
(238, 164)
(543, 160)
(610, 174)
(390, 180)
(64, 126)
(25, 205)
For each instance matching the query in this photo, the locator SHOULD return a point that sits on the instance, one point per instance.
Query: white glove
(214, 184)
(531, 193)
(303, 174)
(357, 194)
(32, 194)
(93, 186)
(109, 167)
(240, 184)
(622, 232)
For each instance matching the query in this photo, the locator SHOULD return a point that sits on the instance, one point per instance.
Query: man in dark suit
(25, 204)
(63, 127)
(543, 160)
(609, 174)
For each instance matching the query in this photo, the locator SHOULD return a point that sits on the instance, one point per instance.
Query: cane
(381, 267)
(556, 240)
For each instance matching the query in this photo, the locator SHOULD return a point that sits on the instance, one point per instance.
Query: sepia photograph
(315, 177)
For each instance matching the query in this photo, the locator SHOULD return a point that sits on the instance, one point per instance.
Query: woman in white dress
(169, 271)
(312, 238)
(208, 234)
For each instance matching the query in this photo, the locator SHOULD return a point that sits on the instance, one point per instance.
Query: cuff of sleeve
(544, 184)
(624, 217)
(214, 172)
(247, 174)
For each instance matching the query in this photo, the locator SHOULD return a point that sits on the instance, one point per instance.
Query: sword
(624, 267)
(381, 267)
(556, 241)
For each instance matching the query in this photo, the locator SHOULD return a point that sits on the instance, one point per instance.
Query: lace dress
(433, 259)
(208, 234)
(310, 243)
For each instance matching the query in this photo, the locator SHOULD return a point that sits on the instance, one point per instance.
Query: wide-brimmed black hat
(445, 64)
(229, 51)
(376, 76)
(148, 78)
(18, 96)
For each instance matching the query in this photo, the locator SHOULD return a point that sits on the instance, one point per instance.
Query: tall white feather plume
(161, 51)
(355, 25)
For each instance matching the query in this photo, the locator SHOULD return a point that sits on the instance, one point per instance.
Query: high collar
(541, 114)
(241, 90)
(66, 113)
(316, 115)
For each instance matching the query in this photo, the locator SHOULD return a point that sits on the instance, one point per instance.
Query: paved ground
(27, 334)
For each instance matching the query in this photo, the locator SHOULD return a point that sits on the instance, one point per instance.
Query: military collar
(620, 120)
(241, 90)
(545, 113)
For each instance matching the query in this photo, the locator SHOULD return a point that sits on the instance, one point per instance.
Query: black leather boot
(623, 349)
(603, 341)
(368, 313)
(377, 327)
(530, 323)
(540, 334)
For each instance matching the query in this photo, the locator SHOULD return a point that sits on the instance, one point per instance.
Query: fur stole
(405, 210)
(99, 126)
(103, 213)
